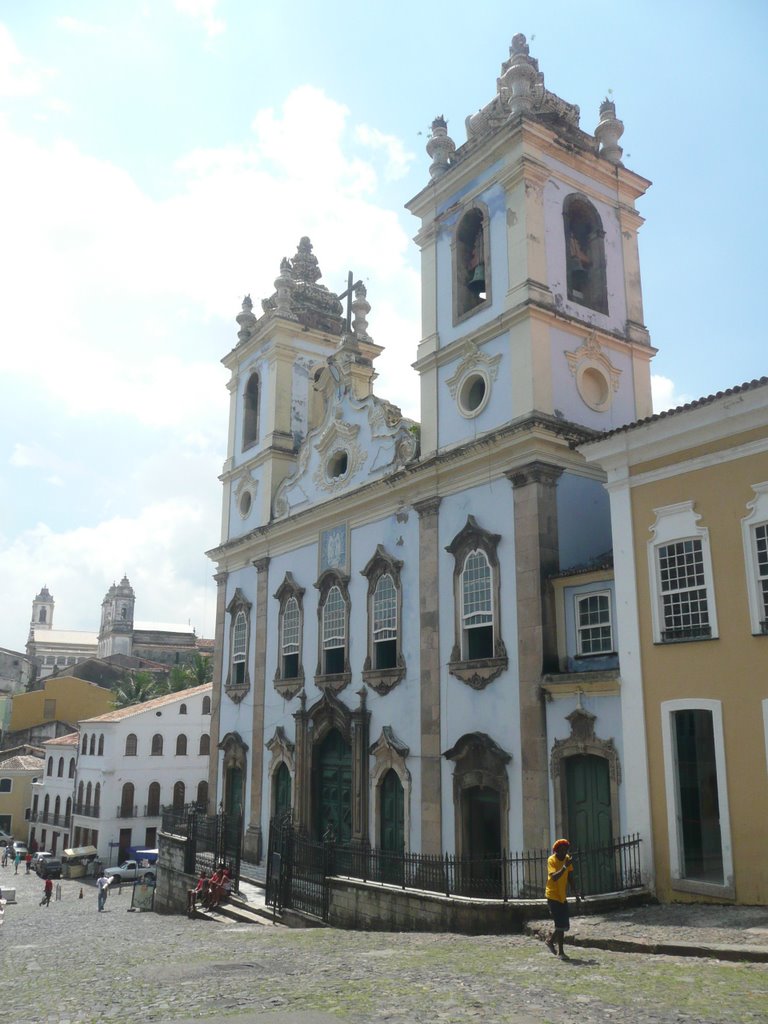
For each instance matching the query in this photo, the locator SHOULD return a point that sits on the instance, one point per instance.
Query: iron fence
(298, 869)
(213, 841)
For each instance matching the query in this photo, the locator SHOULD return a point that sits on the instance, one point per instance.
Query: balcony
(48, 818)
(127, 811)
(88, 810)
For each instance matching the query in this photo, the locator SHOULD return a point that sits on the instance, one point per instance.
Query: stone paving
(68, 963)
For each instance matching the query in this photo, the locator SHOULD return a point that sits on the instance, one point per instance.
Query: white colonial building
(414, 626)
(134, 761)
(50, 821)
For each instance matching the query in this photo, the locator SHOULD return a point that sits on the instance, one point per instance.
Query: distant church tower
(42, 611)
(116, 629)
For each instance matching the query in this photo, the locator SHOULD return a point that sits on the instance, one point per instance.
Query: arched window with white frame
(333, 669)
(238, 682)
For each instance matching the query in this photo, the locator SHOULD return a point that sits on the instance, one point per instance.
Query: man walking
(559, 877)
(102, 884)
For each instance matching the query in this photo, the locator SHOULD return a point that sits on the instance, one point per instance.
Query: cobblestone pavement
(70, 963)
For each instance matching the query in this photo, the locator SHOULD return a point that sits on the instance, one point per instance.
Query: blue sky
(159, 158)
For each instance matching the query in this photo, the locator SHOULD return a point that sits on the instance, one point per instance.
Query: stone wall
(172, 880)
(367, 907)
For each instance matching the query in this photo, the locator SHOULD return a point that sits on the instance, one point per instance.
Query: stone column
(303, 778)
(429, 658)
(361, 718)
(252, 838)
(219, 655)
(536, 558)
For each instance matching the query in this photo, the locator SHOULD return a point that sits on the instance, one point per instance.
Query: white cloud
(18, 75)
(204, 12)
(665, 394)
(398, 159)
(79, 28)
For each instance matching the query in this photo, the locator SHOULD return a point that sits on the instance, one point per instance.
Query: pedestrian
(5, 856)
(28, 860)
(46, 900)
(559, 878)
(102, 884)
(16, 862)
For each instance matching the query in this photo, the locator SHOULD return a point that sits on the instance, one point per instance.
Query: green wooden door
(333, 792)
(282, 792)
(588, 790)
(234, 791)
(392, 811)
(481, 874)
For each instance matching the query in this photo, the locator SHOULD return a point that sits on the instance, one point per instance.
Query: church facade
(415, 628)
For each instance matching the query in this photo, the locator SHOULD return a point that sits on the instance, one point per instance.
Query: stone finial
(284, 284)
(305, 266)
(361, 307)
(246, 319)
(441, 147)
(608, 132)
(520, 76)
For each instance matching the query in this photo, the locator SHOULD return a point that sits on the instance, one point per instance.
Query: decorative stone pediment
(329, 713)
(597, 379)
(388, 744)
(474, 359)
(282, 751)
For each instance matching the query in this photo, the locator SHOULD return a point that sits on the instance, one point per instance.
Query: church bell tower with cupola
(42, 611)
(531, 294)
(116, 628)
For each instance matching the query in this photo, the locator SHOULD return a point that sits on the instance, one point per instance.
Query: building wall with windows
(17, 774)
(133, 761)
(690, 519)
(387, 644)
(50, 820)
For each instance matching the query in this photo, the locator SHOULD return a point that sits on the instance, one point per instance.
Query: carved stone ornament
(282, 751)
(597, 379)
(342, 437)
(249, 484)
(473, 359)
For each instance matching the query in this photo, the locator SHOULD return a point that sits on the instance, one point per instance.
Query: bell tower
(116, 628)
(281, 379)
(42, 611)
(531, 296)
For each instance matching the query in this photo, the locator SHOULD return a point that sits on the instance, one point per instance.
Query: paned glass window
(334, 632)
(239, 636)
(385, 622)
(291, 621)
(684, 602)
(477, 606)
(594, 631)
(761, 555)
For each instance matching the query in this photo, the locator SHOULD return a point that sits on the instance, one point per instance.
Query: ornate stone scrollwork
(597, 379)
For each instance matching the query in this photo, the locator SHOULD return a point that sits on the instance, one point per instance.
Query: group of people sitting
(210, 892)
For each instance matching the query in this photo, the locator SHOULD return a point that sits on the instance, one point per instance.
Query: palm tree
(200, 670)
(136, 688)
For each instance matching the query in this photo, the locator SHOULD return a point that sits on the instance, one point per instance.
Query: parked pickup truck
(130, 871)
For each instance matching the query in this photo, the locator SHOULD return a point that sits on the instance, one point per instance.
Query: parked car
(130, 871)
(38, 858)
(5, 838)
(19, 847)
(50, 868)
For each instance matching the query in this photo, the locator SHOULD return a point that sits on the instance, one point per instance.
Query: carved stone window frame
(458, 288)
(239, 603)
(289, 588)
(382, 680)
(325, 583)
(582, 741)
(478, 672)
(282, 751)
(479, 761)
(390, 753)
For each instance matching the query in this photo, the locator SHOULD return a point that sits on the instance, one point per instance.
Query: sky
(158, 158)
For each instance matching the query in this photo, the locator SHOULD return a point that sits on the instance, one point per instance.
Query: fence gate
(298, 870)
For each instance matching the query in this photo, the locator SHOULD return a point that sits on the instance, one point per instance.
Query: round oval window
(594, 388)
(473, 393)
(245, 503)
(337, 464)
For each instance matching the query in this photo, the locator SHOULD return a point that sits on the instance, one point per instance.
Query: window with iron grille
(594, 630)
(683, 585)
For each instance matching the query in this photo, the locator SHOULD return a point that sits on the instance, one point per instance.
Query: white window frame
(334, 636)
(677, 880)
(585, 596)
(290, 634)
(486, 614)
(676, 523)
(757, 516)
(239, 644)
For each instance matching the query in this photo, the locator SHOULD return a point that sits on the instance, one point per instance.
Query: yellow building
(689, 510)
(63, 699)
(17, 774)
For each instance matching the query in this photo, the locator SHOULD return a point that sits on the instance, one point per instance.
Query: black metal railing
(298, 869)
(87, 810)
(48, 818)
(213, 841)
(126, 811)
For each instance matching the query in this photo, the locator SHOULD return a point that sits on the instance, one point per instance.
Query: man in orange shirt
(559, 877)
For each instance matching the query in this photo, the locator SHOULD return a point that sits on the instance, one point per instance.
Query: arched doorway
(481, 812)
(233, 790)
(333, 787)
(282, 784)
(392, 814)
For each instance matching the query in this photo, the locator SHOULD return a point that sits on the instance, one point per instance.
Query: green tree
(136, 688)
(200, 670)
